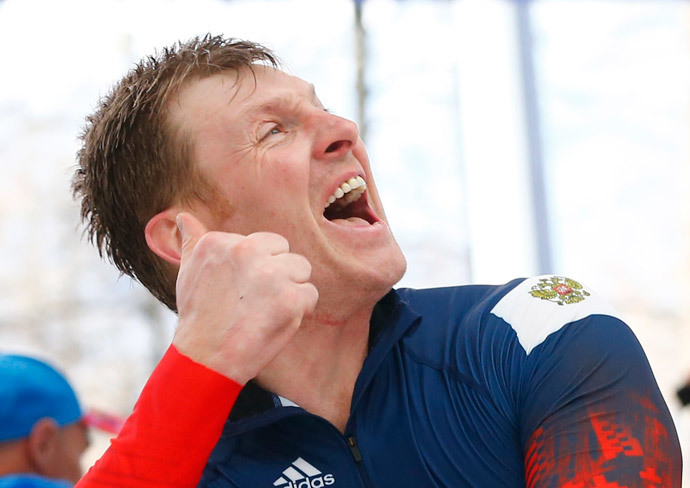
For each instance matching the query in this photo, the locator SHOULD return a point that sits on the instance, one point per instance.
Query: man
(224, 186)
(43, 433)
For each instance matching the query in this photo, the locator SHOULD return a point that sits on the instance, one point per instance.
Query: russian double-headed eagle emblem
(560, 290)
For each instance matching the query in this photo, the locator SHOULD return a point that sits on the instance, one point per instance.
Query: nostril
(335, 146)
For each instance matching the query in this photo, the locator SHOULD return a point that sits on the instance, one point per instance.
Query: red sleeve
(600, 419)
(175, 425)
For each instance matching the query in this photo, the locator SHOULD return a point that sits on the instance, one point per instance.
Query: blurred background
(508, 138)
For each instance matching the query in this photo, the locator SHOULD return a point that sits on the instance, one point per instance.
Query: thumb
(191, 230)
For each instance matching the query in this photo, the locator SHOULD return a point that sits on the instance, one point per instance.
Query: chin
(387, 276)
(371, 283)
(399, 271)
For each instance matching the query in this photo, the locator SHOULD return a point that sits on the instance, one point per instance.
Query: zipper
(351, 441)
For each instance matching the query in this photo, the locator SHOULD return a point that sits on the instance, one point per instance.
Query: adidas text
(318, 482)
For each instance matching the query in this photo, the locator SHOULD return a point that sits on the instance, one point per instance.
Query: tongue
(350, 221)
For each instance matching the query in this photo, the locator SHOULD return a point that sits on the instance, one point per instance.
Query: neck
(14, 458)
(318, 369)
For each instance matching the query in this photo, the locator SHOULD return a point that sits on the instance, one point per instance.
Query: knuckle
(314, 292)
(207, 245)
(210, 242)
(288, 296)
(288, 300)
(306, 265)
(311, 297)
(242, 248)
(267, 272)
(273, 239)
(204, 241)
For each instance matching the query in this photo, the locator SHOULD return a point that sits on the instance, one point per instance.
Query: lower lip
(359, 229)
(351, 222)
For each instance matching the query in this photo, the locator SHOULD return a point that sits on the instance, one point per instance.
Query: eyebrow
(278, 102)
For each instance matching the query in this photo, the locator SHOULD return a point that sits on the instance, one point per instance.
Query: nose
(335, 136)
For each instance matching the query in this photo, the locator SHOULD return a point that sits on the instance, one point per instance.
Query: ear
(43, 443)
(163, 237)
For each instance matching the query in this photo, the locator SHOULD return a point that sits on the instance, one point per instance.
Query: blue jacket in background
(31, 481)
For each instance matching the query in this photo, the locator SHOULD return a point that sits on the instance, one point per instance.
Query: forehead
(264, 81)
(240, 93)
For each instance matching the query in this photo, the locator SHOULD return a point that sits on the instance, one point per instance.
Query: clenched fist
(240, 299)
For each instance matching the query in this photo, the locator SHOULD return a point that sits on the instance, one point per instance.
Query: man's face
(278, 158)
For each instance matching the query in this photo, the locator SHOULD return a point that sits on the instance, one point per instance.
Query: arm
(175, 424)
(594, 415)
(240, 300)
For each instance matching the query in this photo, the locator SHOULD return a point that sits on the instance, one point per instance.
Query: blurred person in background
(43, 430)
(223, 185)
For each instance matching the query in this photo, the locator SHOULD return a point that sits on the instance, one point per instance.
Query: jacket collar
(391, 319)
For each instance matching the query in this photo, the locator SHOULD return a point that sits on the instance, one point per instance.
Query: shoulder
(543, 305)
(452, 321)
(470, 322)
(454, 301)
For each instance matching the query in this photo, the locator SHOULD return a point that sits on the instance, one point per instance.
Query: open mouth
(348, 203)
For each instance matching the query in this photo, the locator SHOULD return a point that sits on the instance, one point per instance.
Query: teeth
(351, 189)
(355, 182)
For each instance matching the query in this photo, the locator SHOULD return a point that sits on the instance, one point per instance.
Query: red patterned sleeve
(174, 427)
(595, 416)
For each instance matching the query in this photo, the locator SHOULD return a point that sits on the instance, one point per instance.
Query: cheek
(74, 448)
(257, 195)
(69, 465)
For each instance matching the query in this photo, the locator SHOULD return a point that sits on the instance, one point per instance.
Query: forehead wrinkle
(285, 103)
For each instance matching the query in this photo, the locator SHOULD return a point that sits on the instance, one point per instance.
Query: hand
(240, 299)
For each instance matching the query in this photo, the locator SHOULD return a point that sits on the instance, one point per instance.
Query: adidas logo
(301, 474)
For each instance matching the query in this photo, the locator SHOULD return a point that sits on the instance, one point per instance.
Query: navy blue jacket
(534, 383)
